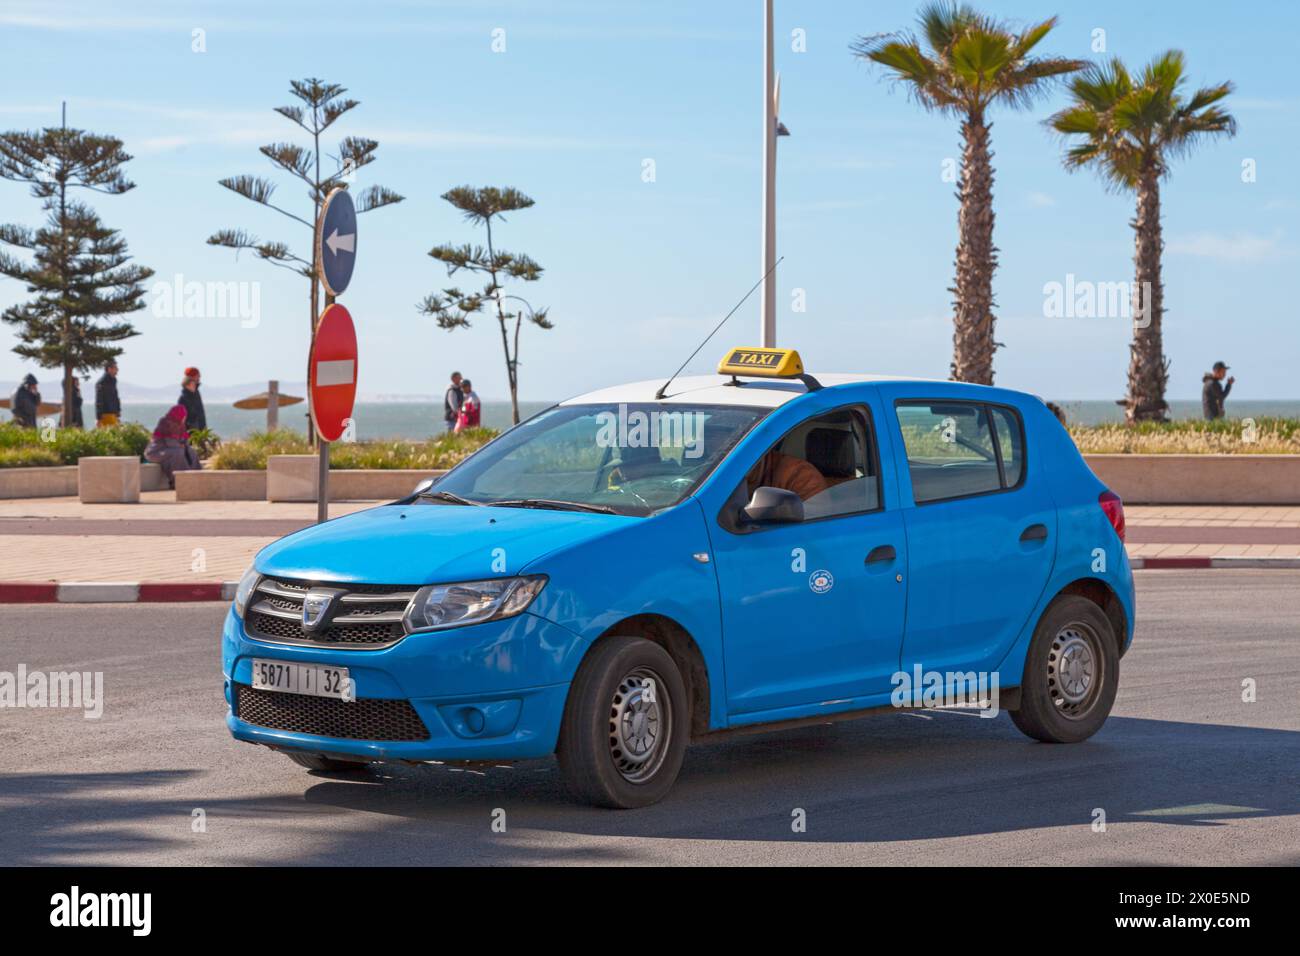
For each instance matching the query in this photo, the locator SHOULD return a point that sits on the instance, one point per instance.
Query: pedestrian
(196, 417)
(77, 420)
(1213, 392)
(108, 407)
(451, 400)
(471, 408)
(25, 402)
(170, 445)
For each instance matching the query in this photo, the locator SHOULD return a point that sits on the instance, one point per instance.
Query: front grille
(365, 718)
(365, 618)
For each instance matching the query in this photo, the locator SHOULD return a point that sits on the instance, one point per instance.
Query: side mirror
(774, 506)
(424, 485)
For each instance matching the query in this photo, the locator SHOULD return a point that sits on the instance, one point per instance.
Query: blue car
(648, 564)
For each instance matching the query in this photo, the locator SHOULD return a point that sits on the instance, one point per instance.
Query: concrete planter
(109, 479)
(53, 482)
(293, 478)
(1201, 479)
(220, 486)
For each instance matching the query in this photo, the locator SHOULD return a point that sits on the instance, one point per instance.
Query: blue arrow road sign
(337, 253)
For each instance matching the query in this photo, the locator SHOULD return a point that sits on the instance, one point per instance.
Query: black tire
(617, 749)
(326, 764)
(1071, 673)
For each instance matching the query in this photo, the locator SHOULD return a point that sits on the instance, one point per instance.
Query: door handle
(884, 552)
(1035, 532)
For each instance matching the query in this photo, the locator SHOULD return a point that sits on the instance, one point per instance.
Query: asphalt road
(1185, 771)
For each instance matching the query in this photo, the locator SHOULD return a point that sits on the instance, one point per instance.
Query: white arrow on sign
(347, 243)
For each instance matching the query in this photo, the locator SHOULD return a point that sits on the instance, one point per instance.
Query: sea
(419, 420)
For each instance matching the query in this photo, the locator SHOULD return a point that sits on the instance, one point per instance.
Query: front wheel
(625, 726)
(1071, 673)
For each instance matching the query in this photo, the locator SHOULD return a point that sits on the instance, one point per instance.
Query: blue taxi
(648, 564)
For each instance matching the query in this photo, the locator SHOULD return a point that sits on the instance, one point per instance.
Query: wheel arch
(682, 648)
(1103, 595)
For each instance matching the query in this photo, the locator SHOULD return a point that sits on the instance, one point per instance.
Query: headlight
(439, 606)
(244, 590)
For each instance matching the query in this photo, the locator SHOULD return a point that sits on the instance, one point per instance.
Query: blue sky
(636, 271)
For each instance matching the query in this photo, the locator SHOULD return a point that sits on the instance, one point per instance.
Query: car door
(981, 531)
(813, 611)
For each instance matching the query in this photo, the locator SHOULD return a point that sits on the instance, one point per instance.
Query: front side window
(633, 459)
(828, 461)
(950, 449)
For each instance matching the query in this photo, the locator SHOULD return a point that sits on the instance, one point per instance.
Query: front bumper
(515, 673)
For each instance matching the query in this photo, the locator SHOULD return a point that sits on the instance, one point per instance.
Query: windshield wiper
(553, 504)
(448, 496)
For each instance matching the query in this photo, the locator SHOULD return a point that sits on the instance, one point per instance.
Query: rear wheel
(326, 764)
(625, 725)
(1071, 673)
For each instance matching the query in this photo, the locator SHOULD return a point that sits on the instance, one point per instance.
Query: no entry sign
(333, 381)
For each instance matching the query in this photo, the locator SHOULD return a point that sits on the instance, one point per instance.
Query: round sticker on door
(821, 581)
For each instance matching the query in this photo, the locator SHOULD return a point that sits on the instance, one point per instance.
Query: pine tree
(322, 105)
(452, 308)
(79, 268)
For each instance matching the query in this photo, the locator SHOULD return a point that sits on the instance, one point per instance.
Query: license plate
(311, 679)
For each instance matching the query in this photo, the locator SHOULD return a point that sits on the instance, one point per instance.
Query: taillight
(1114, 508)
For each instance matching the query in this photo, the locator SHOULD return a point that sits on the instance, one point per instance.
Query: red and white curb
(114, 592)
(1151, 564)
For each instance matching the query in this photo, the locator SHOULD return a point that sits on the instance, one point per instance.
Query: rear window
(959, 449)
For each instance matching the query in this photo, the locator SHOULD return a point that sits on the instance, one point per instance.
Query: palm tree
(1129, 130)
(971, 62)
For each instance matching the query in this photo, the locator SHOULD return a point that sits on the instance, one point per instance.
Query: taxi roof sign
(762, 363)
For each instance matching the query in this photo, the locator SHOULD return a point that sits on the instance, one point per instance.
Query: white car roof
(719, 390)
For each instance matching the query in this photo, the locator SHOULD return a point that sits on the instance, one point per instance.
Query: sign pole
(323, 463)
(333, 363)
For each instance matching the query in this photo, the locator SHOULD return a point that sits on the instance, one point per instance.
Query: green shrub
(204, 441)
(440, 452)
(69, 444)
(1268, 436)
(28, 457)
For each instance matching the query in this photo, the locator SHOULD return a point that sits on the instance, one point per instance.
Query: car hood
(425, 544)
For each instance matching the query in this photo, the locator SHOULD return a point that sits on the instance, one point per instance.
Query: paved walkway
(161, 539)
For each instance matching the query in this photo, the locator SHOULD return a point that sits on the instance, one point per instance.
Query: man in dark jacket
(195, 416)
(106, 401)
(1213, 392)
(25, 402)
(452, 399)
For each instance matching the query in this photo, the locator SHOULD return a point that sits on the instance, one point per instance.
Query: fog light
(474, 720)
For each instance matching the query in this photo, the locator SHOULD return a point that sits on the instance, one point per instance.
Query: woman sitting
(170, 446)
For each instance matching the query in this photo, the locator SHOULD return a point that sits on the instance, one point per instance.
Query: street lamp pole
(767, 297)
(772, 128)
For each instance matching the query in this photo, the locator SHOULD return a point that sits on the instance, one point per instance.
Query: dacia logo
(317, 609)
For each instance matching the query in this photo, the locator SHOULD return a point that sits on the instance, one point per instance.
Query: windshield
(631, 459)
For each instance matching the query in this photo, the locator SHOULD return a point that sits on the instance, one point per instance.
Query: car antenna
(664, 387)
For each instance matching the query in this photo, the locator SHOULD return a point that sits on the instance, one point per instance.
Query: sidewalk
(198, 546)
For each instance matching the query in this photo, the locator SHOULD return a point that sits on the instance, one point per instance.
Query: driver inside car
(779, 470)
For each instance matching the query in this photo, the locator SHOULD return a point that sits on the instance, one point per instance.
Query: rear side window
(1011, 443)
(952, 451)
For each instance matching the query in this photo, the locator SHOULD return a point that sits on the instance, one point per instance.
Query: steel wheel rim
(640, 725)
(1075, 670)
